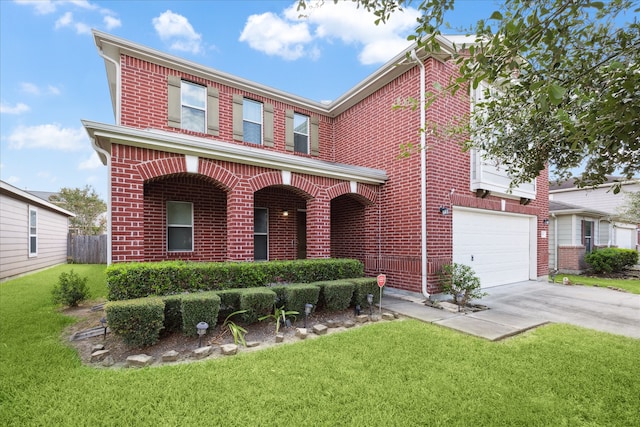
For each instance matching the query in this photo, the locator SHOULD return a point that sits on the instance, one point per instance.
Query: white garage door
(625, 237)
(496, 245)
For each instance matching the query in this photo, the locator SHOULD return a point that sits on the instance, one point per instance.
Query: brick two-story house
(206, 166)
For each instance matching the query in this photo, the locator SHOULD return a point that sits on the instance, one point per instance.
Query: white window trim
(261, 123)
(262, 234)
(179, 225)
(308, 134)
(183, 104)
(30, 235)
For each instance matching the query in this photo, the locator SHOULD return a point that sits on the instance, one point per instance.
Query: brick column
(319, 227)
(127, 211)
(240, 223)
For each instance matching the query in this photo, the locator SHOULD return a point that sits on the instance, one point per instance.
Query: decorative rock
(388, 316)
(170, 356)
(202, 352)
(99, 355)
(279, 338)
(302, 333)
(139, 360)
(108, 361)
(97, 347)
(374, 318)
(333, 323)
(348, 324)
(229, 349)
(252, 344)
(449, 306)
(363, 318)
(320, 329)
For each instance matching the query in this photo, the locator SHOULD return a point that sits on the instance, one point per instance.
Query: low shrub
(70, 290)
(229, 303)
(335, 295)
(172, 313)
(611, 260)
(296, 296)
(257, 302)
(138, 321)
(141, 279)
(199, 307)
(364, 286)
(461, 282)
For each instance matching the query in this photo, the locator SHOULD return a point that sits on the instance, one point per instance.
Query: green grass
(400, 373)
(631, 285)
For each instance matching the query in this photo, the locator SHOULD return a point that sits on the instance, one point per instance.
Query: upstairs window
(33, 232)
(252, 121)
(179, 226)
(193, 99)
(300, 133)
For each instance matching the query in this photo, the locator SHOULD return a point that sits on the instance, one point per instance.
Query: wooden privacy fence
(87, 249)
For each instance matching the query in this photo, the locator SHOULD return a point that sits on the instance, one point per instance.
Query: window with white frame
(179, 226)
(193, 99)
(33, 231)
(252, 121)
(300, 133)
(260, 234)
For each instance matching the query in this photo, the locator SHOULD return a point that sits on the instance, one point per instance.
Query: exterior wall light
(545, 221)
(285, 213)
(444, 210)
(202, 329)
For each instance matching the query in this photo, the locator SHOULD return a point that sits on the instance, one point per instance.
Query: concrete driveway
(521, 306)
(590, 307)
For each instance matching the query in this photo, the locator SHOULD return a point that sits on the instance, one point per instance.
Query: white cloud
(33, 89)
(176, 29)
(19, 108)
(12, 180)
(92, 162)
(64, 21)
(291, 36)
(41, 7)
(53, 90)
(273, 35)
(111, 22)
(48, 136)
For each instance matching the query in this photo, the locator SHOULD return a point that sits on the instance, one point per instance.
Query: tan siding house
(33, 232)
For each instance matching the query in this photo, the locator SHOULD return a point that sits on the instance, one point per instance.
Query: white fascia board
(30, 198)
(105, 134)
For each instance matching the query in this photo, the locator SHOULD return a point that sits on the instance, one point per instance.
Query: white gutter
(423, 175)
(555, 241)
(118, 91)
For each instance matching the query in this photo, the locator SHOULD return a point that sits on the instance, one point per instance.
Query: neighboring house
(583, 219)
(33, 232)
(206, 166)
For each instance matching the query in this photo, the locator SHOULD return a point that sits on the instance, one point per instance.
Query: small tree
(630, 211)
(70, 290)
(88, 207)
(461, 282)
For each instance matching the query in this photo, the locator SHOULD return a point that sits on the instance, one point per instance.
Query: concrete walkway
(518, 307)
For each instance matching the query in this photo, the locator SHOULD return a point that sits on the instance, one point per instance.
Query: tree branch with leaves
(88, 207)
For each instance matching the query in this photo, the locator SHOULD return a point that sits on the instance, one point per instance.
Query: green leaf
(556, 93)
(496, 15)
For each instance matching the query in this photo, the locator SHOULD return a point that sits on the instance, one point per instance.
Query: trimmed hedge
(172, 313)
(141, 279)
(295, 296)
(258, 302)
(611, 260)
(137, 321)
(364, 286)
(199, 307)
(229, 302)
(336, 295)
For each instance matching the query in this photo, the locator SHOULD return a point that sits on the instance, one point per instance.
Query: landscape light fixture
(370, 301)
(103, 322)
(357, 310)
(307, 312)
(444, 210)
(202, 329)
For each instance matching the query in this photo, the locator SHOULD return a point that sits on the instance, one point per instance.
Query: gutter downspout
(423, 175)
(555, 241)
(107, 155)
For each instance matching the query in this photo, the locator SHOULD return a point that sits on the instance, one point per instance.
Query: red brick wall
(571, 258)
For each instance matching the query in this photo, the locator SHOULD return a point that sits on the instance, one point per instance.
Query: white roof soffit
(105, 134)
(30, 198)
(113, 47)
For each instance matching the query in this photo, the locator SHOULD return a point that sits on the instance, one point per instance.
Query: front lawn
(392, 373)
(631, 285)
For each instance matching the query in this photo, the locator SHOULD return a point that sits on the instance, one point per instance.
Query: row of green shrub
(136, 280)
(140, 321)
(611, 260)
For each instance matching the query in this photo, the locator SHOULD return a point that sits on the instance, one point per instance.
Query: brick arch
(223, 176)
(160, 167)
(264, 180)
(303, 184)
(363, 193)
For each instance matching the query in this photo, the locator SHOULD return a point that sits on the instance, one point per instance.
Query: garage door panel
(495, 245)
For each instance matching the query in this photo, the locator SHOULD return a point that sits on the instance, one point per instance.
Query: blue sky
(51, 75)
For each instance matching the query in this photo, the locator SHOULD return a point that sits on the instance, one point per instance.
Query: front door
(301, 234)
